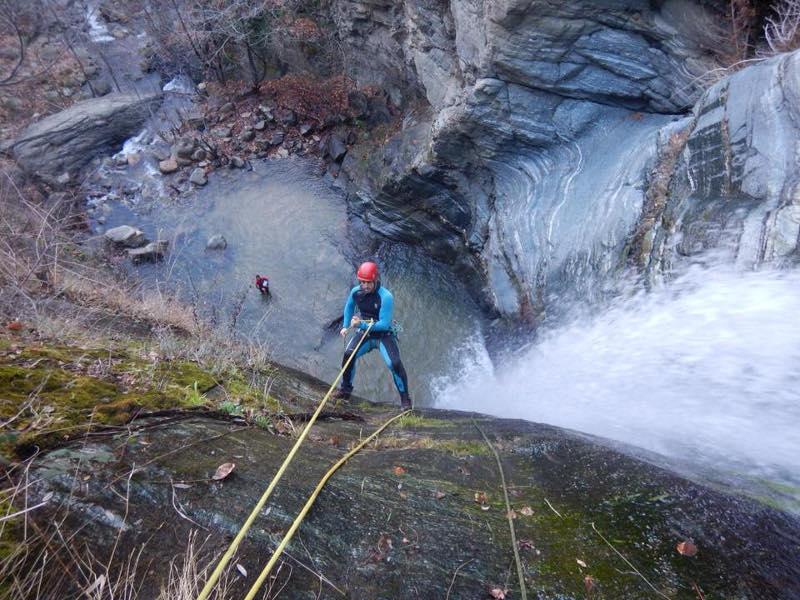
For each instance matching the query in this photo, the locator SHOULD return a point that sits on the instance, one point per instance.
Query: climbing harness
(215, 575)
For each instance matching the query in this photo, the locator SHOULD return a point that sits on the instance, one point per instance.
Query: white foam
(706, 369)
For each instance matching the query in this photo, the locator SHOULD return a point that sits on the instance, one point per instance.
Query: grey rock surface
(127, 236)
(735, 187)
(526, 166)
(69, 139)
(216, 242)
(150, 252)
(198, 176)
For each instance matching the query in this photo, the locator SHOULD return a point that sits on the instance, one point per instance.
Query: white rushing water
(705, 370)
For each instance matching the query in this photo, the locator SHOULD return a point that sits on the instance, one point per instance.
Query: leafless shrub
(782, 28)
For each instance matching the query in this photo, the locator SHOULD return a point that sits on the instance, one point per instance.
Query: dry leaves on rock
(398, 470)
(481, 497)
(223, 471)
(526, 511)
(498, 593)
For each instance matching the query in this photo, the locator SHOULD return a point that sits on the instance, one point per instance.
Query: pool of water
(283, 220)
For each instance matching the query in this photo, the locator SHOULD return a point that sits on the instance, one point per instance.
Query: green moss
(414, 420)
(185, 374)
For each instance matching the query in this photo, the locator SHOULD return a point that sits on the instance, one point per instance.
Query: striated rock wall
(736, 185)
(501, 152)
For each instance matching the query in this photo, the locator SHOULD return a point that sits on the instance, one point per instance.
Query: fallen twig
(652, 587)
(452, 581)
(177, 507)
(553, 509)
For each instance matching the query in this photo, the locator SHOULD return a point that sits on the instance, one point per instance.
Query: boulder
(221, 132)
(286, 116)
(358, 103)
(127, 236)
(183, 147)
(216, 242)
(68, 140)
(237, 162)
(168, 166)
(277, 138)
(150, 252)
(198, 177)
(336, 148)
(247, 135)
(260, 125)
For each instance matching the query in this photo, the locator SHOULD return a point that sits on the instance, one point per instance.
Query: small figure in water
(375, 303)
(262, 285)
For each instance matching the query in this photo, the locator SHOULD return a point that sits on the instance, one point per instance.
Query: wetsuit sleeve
(349, 308)
(384, 322)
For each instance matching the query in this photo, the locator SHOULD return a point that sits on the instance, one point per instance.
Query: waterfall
(705, 370)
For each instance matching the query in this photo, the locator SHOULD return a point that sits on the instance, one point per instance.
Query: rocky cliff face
(531, 133)
(736, 186)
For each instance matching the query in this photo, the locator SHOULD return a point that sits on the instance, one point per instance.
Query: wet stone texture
(420, 513)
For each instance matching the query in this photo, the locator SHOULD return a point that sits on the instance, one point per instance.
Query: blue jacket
(377, 305)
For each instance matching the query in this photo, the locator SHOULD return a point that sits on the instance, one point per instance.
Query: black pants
(387, 344)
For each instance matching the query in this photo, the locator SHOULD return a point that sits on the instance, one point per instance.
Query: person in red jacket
(262, 285)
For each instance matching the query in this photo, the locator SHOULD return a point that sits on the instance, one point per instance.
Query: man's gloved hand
(343, 332)
(355, 321)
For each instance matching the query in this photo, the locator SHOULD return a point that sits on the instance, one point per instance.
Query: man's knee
(397, 365)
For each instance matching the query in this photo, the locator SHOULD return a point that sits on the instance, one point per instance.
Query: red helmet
(368, 271)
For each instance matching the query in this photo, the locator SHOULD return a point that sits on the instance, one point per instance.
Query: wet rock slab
(402, 517)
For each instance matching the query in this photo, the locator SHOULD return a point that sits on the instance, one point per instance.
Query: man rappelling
(374, 303)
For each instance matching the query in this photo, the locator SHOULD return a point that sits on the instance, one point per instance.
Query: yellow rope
(212, 580)
(296, 524)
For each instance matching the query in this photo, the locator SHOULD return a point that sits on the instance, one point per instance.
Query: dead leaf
(525, 544)
(439, 495)
(484, 507)
(182, 486)
(398, 470)
(497, 593)
(406, 540)
(526, 510)
(511, 514)
(580, 562)
(334, 441)
(223, 471)
(686, 548)
(241, 570)
(480, 497)
(14, 325)
(404, 495)
(384, 543)
(589, 583)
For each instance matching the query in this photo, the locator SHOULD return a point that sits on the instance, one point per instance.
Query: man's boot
(341, 394)
(405, 401)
